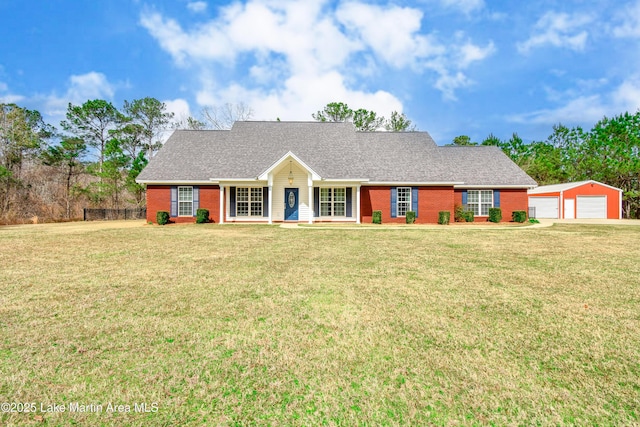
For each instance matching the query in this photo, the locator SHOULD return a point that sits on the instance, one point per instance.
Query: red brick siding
(159, 199)
(510, 200)
(513, 200)
(431, 200)
(210, 199)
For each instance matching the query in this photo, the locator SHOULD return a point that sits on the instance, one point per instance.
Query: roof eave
(416, 183)
(357, 180)
(227, 180)
(496, 186)
(174, 182)
(569, 186)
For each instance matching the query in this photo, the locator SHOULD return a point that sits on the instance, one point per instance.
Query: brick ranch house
(266, 172)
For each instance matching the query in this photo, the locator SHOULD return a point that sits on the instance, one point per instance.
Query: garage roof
(554, 188)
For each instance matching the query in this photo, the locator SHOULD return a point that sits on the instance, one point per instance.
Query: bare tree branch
(223, 117)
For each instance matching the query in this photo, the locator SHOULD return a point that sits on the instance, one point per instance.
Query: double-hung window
(479, 201)
(248, 201)
(333, 201)
(185, 201)
(404, 200)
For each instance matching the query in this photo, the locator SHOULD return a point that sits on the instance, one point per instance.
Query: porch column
(271, 203)
(221, 204)
(311, 207)
(358, 204)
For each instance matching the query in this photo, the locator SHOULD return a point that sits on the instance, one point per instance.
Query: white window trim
(185, 201)
(249, 202)
(332, 203)
(404, 203)
(479, 203)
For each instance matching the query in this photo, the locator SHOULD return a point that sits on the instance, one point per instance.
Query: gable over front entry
(289, 190)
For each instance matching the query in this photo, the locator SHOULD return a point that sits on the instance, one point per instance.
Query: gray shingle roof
(333, 150)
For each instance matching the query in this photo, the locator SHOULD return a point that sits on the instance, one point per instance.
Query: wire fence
(113, 214)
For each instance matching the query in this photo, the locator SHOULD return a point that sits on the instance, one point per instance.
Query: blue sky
(454, 67)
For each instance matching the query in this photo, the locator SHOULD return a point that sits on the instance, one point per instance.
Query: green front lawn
(259, 325)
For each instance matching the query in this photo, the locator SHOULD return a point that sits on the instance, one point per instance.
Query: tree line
(96, 154)
(608, 152)
(91, 160)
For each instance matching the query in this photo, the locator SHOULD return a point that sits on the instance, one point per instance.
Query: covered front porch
(290, 191)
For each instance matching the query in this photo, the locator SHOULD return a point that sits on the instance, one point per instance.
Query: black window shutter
(316, 202)
(349, 202)
(232, 201)
(496, 198)
(265, 201)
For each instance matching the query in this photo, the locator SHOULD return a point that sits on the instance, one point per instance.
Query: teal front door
(290, 204)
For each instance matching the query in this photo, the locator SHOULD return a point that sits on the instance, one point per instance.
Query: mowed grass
(259, 325)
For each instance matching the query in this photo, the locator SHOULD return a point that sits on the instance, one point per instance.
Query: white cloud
(179, 107)
(8, 98)
(197, 6)
(80, 89)
(448, 84)
(582, 87)
(584, 109)
(92, 85)
(628, 24)
(300, 96)
(292, 29)
(627, 95)
(587, 108)
(468, 53)
(558, 30)
(285, 55)
(391, 32)
(465, 6)
(207, 42)
(181, 112)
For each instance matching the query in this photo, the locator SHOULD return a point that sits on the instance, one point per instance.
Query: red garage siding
(431, 200)
(593, 189)
(510, 200)
(587, 189)
(159, 199)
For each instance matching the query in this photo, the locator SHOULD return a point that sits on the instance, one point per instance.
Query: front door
(290, 204)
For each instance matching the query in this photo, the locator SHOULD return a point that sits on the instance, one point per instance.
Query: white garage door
(546, 207)
(592, 206)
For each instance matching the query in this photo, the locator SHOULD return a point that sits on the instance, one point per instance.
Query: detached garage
(584, 199)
